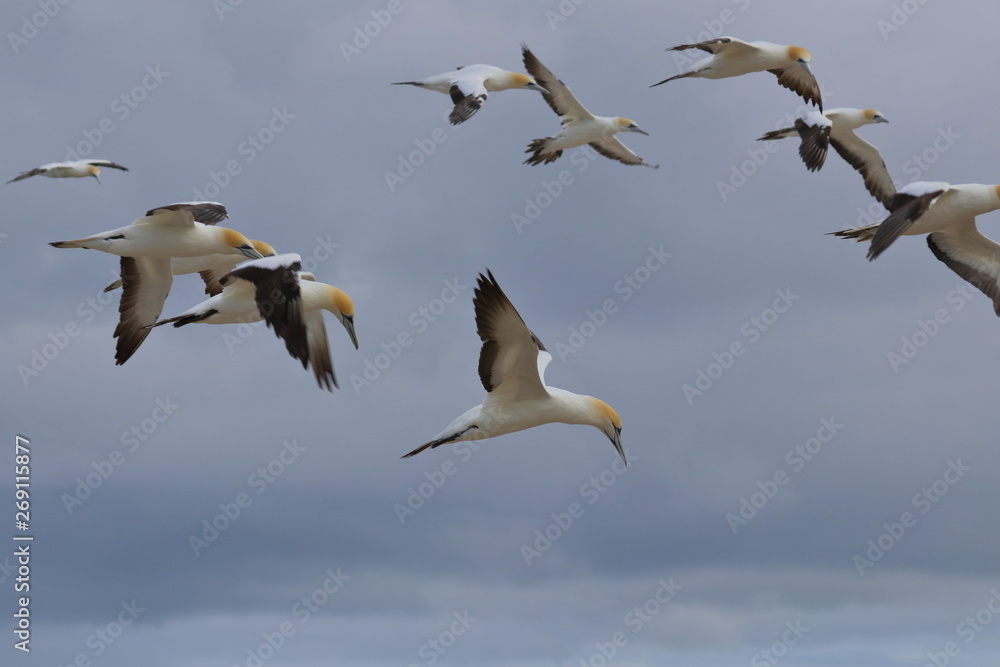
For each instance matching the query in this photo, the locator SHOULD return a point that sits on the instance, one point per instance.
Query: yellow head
(263, 248)
(239, 243)
(342, 307)
(799, 55)
(519, 80)
(875, 116)
(606, 419)
(628, 125)
(93, 171)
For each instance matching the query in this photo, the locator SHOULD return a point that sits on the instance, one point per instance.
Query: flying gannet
(734, 57)
(290, 301)
(146, 247)
(836, 127)
(579, 126)
(947, 214)
(512, 365)
(469, 85)
(77, 169)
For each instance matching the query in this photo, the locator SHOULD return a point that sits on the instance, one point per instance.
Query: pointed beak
(881, 119)
(535, 86)
(616, 440)
(250, 251)
(640, 131)
(807, 68)
(96, 177)
(348, 322)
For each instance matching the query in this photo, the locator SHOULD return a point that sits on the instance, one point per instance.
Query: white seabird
(469, 85)
(291, 302)
(947, 214)
(146, 248)
(512, 365)
(579, 126)
(77, 169)
(836, 127)
(734, 57)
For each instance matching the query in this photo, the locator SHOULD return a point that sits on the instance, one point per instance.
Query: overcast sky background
(450, 583)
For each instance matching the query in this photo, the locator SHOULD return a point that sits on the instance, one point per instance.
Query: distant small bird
(836, 127)
(734, 57)
(146, 247)
(469, 85)
(579, 126)
(78, 169)
(290, 301)
(947, 214)
(512, 367)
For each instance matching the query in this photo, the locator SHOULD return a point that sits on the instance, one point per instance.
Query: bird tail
(859, 234)
(77, 243)
(783, 133)
(678, 76)
(181, 320)
(538, 150)
(437, 443)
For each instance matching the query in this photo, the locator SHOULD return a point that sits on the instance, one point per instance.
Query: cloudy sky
(811, 436)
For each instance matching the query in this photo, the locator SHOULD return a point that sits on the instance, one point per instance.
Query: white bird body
(734, 57)
(579, 126)
(947, 214)
(468, 87)
(512, 369)
(275, 291)
(818, 130)
(165, 236)
(211, 267)
(146, 248)
(77, 169)
(496, 416)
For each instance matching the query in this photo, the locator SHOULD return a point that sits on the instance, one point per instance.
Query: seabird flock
(248, 282)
